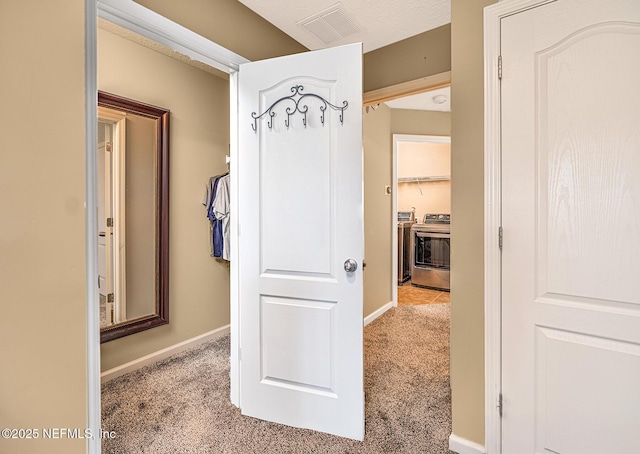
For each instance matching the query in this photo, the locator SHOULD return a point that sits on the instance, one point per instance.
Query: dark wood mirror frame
(161, 116)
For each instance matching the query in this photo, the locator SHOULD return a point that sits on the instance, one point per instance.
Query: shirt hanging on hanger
(216, 243)
(221, 208)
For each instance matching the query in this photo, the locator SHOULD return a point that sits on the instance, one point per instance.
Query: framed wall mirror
(133, 216)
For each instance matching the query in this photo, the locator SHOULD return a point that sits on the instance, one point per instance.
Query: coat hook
(289, 113)
(297, 106)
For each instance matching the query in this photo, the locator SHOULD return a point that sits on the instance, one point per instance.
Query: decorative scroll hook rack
(297, 105)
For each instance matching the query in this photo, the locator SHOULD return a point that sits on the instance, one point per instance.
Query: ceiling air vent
(331, 25)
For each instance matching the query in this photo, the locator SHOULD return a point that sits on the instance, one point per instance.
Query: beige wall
(42, 241)
(422, 55)
(467, 219)
(199, 105)
(405, 121)
(230, 24)
(377, 208)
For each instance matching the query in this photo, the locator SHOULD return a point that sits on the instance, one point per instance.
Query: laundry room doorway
(422, 183)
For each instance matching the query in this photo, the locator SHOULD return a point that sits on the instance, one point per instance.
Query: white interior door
(102, 233)
(571, 219)
(108, 223)
(105, 230)
(300, 211)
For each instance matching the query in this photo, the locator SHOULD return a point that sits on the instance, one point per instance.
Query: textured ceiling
(375, 23)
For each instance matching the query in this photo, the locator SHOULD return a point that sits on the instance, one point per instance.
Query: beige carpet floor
(181, 404)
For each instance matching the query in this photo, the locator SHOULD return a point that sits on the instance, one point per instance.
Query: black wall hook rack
(297, 106)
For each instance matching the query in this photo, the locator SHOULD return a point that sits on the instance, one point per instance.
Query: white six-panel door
(300, 218)
(571, 219)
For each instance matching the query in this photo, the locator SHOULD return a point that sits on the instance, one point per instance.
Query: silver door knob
(350, 265)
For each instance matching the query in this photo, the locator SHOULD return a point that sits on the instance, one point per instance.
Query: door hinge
(500, 67)
(500, 404)
(500, 237)
(109, 222)
(110, 298)
(109, 146)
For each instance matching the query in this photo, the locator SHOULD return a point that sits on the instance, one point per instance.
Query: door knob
(350, 265)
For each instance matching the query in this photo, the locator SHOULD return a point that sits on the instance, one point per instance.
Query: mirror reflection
(132, 166)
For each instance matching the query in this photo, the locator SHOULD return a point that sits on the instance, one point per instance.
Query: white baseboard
(464, 446)
(162, 354)
(371, 317)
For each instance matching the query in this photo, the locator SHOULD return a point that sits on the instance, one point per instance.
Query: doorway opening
(421, 201)
(422, 183)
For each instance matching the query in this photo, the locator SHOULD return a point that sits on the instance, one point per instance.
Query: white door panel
(571, 220)
(300, 218)
(586, 393)
(290, 166)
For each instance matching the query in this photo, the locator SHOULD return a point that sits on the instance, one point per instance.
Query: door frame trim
(493, 16)
(94, 417)
(411, 87)
(151, 25)
(234, 232)
(492, 221)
